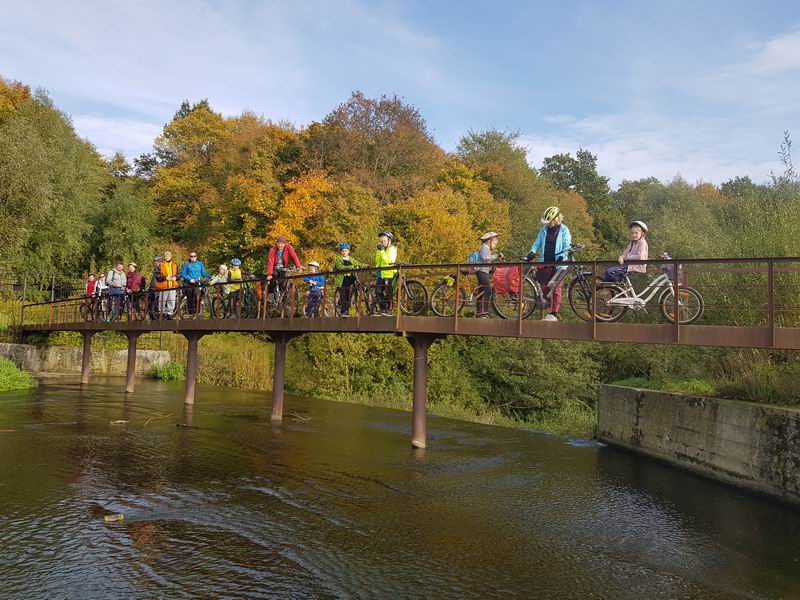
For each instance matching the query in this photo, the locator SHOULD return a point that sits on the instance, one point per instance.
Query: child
(90, 286)
(386, 256)
(236, 274)
(316, 285)
(637, 249)
(218, 281)
(345, 283)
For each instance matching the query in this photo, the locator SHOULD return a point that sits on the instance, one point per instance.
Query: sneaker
(550, 317)
(387, 313)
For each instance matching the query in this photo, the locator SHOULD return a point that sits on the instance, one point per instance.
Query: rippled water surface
(335, 504)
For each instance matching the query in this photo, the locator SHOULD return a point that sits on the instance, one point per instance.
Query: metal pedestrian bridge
(735, 302)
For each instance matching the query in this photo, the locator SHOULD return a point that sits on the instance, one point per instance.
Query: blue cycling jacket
(194, 270)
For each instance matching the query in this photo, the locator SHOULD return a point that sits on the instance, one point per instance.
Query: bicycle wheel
(326, 308)
(507, 305)
(413, 298)
(291, 302)
(690, 305)
(608, 313)
(219, 308)
(249, 308)
(87, 314)
(580, 300)
(443, 300)
(102, 309)
(140, 307)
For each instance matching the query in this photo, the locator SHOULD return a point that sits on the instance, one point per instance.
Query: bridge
(745, 302)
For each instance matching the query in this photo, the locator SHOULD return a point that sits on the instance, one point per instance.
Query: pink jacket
(636, 251)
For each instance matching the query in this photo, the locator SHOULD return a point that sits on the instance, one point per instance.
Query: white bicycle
(615, 299)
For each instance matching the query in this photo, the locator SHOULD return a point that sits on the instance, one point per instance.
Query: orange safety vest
(167, 269)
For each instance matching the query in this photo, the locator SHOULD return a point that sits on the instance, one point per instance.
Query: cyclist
(637, 249)
(316, 287)
(116, 282)
(193, 273)
(552, 245)
(345, 283)
(166, 278)
(278, 261)
(386, 256)
(134, 282)
(235, 274)
(486, 254)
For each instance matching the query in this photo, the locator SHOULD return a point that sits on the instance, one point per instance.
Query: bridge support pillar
(281, 340)
(130, 374)
(191, 366)
(86, 360)
(419, 417)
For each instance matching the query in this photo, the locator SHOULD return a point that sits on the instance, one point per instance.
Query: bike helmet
(641, 224)
(236, 262)
(344, 246)
(489, 235)
(313, 263)
(549, 214)
(387, 234)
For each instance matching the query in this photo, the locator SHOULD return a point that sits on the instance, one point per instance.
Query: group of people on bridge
(551, 245)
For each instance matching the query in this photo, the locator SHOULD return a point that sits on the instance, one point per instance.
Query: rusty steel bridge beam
(419, 408)
(86, 359)
(130, 373)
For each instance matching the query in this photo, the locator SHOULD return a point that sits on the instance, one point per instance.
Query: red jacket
(134, 280)
(288, 254)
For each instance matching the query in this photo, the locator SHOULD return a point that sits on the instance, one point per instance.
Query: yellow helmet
(549, 214)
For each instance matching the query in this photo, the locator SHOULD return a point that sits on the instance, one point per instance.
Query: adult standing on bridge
(116, 282)
(193, 273)
(278, 260)
(552, 245)
(386, 256)
(486, 254)
(167, 283)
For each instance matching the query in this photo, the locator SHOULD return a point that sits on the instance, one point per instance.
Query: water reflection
(332, 503)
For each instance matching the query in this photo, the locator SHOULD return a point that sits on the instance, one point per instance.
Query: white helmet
(489, 235)
(641, 224)
(313, 263)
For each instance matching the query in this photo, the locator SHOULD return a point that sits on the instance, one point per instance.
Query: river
(333, 503)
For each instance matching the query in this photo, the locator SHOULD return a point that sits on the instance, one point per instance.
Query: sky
(701, 89)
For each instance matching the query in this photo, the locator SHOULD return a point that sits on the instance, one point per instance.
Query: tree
(580, 173)
(383, 143)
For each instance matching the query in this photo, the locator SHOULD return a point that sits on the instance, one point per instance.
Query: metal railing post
(771, 301)
(397, 297)
(520, 301)
(675, 290)
(593, 284)
(457, 294)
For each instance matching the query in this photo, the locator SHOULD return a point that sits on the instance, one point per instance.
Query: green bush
(170, 371)
(13, 378)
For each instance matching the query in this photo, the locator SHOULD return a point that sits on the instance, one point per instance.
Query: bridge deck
(646, 333)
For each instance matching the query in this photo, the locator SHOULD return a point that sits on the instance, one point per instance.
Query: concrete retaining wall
(754, 446)
(62, 359)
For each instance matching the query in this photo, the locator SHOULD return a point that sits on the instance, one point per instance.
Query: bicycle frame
(628, 297)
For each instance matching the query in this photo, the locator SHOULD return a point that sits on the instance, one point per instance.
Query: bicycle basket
(670, 271)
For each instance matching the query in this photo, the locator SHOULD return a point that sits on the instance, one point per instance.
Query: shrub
(170, 371)
(13, 378)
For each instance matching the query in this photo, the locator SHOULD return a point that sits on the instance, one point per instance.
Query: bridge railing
(741, 292)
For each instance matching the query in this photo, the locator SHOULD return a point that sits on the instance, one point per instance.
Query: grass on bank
(767, 386)
(14, 378)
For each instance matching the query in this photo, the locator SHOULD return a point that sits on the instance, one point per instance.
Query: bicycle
(413, 296)
(284, 300)
(470, 294)
(362, 299)
(87, 309)
(201, 309)
(221, 302)
(135, 306)
(103, 308)
(617, 299)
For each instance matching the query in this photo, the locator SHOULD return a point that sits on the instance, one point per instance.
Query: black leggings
(384, 294)
(485, 281)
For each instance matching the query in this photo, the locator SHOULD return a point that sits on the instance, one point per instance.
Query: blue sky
(700, 89)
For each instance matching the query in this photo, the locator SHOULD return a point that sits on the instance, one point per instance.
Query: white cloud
(129, 136)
